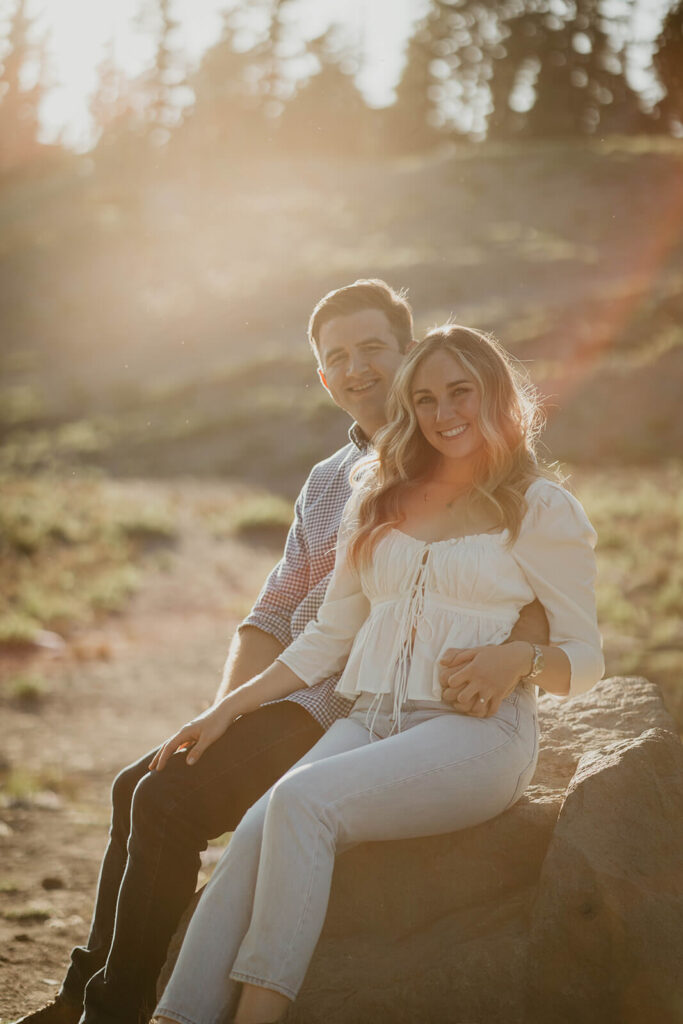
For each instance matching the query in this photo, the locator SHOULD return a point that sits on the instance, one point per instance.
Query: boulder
(441, 929)
(606, 934)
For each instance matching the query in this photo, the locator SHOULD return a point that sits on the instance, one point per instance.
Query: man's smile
(359, 388)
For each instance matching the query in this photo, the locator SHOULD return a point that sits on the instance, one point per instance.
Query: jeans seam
(253, 979)
(307, 898)
(173, 1015)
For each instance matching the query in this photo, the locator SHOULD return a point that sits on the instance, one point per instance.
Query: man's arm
(495, 667)
(532, 625)
(251, 651)
(267, 629)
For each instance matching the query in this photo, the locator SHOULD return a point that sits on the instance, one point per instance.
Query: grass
(255, 517)
(69, 551)
(31, 914)
(24, 784)
(27, 689)
(638, 514)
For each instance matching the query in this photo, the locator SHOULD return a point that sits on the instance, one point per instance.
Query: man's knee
(124, 786)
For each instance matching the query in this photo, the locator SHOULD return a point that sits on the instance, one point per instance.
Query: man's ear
(323, 381)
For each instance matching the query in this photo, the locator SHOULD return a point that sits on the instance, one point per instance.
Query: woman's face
(447, 401)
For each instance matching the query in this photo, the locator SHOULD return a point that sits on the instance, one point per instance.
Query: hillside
(154, 322)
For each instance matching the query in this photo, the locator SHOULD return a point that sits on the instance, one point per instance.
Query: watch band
(536, 664)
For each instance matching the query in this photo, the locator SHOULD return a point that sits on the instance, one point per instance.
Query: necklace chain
(436, 483)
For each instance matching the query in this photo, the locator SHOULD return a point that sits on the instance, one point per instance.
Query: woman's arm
(555, 550)
(493, 671)
(275, 682)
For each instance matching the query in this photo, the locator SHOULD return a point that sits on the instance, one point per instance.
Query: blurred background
(181, 181)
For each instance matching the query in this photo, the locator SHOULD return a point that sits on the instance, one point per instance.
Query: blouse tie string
(411, 623)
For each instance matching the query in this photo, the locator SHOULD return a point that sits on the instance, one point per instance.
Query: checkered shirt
(296, 587)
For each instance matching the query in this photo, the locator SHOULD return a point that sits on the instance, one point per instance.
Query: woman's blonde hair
(509, 420)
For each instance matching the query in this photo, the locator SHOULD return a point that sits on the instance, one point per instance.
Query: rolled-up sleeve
(323, 647)
(287, 585)
(556, 552)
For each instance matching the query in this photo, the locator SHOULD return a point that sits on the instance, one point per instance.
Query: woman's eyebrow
(451, 384)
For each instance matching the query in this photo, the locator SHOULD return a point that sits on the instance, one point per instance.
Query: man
(162, 821)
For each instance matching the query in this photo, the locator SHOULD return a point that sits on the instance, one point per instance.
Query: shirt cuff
(269, 623)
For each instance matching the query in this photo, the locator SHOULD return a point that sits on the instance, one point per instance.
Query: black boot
(58, 1011)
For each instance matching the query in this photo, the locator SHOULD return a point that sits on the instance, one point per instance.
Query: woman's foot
(260, 1006)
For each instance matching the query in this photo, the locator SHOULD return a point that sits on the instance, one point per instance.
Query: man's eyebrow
(365, 341)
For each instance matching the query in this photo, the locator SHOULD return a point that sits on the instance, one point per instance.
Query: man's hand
(478, 679)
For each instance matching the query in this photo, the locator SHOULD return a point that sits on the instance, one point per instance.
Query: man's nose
(357, 363)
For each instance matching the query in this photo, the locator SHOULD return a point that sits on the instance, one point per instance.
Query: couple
(450, 531)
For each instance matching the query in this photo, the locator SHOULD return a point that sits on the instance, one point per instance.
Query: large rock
(438, 929)
(607, 925)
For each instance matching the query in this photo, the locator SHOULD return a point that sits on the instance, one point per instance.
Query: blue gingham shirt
(296, 587)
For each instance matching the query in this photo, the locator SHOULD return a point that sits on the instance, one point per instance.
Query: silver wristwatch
(536, 664)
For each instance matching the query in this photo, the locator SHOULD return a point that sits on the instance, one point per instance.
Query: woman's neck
(458, 474)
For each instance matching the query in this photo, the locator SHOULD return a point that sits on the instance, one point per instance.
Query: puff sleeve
(555, 551)
(323, 647)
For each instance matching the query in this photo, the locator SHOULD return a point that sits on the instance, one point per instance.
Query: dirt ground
(114, 692)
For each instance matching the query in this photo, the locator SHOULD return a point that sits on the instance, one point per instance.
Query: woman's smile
(447, 402)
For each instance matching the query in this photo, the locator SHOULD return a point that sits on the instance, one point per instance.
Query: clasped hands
(477, 680)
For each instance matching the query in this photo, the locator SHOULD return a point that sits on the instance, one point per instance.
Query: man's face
(359, 357)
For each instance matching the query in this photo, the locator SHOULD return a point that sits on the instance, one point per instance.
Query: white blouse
(395, 618)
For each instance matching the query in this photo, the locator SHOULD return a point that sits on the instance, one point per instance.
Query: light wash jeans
(260, 916)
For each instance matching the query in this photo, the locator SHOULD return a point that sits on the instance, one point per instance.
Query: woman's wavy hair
(509, 420)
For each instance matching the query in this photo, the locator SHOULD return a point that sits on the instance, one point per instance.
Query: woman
(451, 530)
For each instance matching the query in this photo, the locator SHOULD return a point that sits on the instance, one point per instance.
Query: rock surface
(440, 929)
(606, 930)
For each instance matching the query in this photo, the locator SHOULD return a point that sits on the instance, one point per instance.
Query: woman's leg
(200, 990)
(444, 773)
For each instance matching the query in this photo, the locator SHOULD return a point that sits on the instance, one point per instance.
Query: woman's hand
(477, 680)
(197, 735)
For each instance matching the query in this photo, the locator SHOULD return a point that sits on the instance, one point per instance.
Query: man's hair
(366, 293)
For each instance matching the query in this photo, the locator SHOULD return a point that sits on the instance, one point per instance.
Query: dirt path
(114, 693)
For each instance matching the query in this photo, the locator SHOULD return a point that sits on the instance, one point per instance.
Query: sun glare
(79, 34)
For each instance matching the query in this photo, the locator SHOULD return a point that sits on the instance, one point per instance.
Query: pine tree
(19, 102)
(328, 113)
(668, 63)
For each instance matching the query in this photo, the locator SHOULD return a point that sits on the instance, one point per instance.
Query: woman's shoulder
(551, 503)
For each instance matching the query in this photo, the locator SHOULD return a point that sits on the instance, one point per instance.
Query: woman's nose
(444, 410)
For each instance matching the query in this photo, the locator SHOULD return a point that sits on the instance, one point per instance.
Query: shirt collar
(357, 437)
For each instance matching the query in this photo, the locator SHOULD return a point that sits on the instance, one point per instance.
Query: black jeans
(161, 821)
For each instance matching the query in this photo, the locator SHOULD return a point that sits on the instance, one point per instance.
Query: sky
(79, 33)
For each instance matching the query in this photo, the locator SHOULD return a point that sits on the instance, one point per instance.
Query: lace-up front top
(396, 617)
